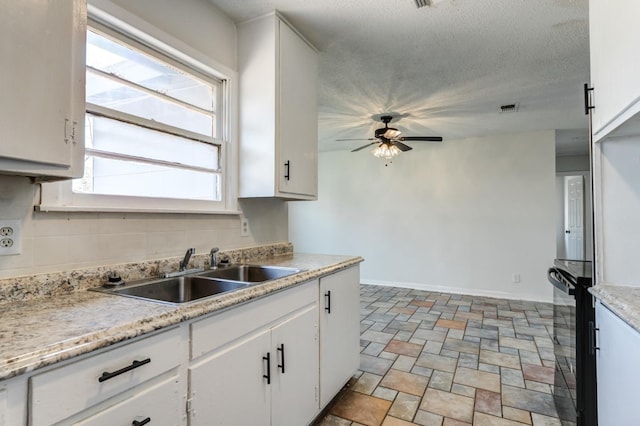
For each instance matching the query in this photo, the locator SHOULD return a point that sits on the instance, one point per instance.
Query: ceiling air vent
(422, 3)
(509, 108)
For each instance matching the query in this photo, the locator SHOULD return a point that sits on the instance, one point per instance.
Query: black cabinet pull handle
(287, 166)
(135, 364)
(587, 107)
(592, 338)
(141, 423)
(268, 375)
(328, 296)
(281, 350)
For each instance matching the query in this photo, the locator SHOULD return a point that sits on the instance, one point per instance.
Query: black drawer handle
(287, 166)
(328, 296)
(268, 375)
(141, 423)
(135, 364)
(281, 350)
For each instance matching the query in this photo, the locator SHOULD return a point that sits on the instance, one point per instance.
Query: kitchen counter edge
(42, 332)
(624, 301)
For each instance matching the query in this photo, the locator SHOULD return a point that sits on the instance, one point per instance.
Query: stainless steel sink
(250, 273)
(175, 290)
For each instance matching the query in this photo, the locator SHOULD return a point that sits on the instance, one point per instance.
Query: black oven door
(564, 344)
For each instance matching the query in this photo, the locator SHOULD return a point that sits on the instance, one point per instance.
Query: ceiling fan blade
(364, 146)
(421, 138)
(392, 134)
(402, 147)
(359, 139)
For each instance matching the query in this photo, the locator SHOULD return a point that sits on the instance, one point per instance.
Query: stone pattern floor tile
(448, 404)
(361, 408)
(413, 384)
(430, 358)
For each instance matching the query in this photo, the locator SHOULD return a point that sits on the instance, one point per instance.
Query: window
(154, 131)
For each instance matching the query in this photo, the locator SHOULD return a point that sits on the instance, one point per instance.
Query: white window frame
(58, 196)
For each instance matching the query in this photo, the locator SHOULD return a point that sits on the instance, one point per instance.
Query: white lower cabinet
(617, 369)
(277, 360)
(339, 331)
(228, 388)
(294, 390)
(154, 405)
(85, 388)
(268, 375)
(13, 396)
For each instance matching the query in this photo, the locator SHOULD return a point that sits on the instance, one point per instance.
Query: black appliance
(574, 392)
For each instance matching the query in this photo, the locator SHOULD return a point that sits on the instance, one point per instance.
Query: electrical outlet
(515, 278)
(244, 227)
(10, 237)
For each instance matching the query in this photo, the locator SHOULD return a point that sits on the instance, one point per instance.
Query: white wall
(573, 163)
(197, 23)
(460, 216)
(618, 209)
(63, 241)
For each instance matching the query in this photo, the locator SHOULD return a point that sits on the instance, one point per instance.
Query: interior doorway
(574, 239)
(574, 217)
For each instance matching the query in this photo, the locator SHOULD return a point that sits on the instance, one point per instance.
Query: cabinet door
(298, 120)
(13, 401)
(617, 369)
(42, 86)
(228, 388)
(294, 388)
(160, 403)
(339, 331)
(614, 36)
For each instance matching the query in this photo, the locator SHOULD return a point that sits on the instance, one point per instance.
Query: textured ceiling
(444, 69)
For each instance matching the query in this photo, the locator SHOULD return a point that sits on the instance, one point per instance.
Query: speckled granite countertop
(623, 301)
(38, 332)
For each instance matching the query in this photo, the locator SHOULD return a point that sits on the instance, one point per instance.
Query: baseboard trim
(457, 290)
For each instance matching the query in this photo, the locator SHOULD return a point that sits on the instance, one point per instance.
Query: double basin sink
(200, 285)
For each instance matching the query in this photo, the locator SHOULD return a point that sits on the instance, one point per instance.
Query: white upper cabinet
(278, 111)
(614, 37)
(42, 60)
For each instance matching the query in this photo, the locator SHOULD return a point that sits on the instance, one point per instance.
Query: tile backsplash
(15, 289)
(59, 241)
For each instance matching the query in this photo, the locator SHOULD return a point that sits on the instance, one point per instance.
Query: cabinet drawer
(212, 332)
(159, 403)
(62, 392)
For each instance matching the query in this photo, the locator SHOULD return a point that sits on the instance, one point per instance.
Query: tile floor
(443, 359)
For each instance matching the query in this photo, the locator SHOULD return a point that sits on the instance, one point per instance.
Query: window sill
(56, 208)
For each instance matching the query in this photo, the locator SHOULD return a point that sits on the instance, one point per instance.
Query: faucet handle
(213, 255)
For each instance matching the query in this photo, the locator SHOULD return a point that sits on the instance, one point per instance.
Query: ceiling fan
(389, 141)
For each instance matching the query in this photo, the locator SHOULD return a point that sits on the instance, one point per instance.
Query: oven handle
(553, 275)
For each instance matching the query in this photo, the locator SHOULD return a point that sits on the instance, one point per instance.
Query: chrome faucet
(214, 257)
(187, 256)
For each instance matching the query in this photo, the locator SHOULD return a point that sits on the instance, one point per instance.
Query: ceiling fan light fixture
(392, 133)
(386, 151)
